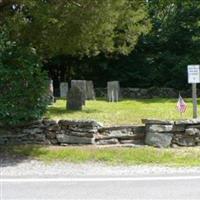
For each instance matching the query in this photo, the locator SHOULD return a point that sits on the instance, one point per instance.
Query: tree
(175, 39)
(79, 27)
(23, 85)
(160, 57)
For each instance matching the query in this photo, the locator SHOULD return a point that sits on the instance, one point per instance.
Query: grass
(121, 113)
(112, 156)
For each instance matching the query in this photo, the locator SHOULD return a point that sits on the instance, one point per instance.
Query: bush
(23, 85)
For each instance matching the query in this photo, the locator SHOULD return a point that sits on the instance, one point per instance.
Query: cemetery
(66, 81)
(75, 118)
(99, 99)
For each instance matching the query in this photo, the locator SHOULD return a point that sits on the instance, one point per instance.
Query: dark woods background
(159, 59)
(166, 38)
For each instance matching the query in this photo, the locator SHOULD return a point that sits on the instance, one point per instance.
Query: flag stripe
(181, 105)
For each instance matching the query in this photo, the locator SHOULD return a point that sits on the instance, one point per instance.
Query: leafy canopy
(79, 27)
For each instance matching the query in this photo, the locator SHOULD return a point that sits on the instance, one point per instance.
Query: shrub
(23, 85)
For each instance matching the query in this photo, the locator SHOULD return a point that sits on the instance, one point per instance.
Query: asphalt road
(162, 187)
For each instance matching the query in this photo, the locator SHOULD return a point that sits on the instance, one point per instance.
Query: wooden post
(194, 99)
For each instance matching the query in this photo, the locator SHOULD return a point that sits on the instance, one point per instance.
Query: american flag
(181, 105)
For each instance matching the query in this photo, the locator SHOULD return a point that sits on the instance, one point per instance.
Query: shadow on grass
(60, 111)
(144, 100)
(13, 155)
(163, 100)
(147, 101)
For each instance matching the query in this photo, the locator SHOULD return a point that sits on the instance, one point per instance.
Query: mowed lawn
(122, 113)
(186, 157)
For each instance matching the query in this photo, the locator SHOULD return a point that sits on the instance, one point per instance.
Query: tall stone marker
(113, 90)
(74, 99)
(51, 91)
(90, 94)
(81, 84)
(63, 89)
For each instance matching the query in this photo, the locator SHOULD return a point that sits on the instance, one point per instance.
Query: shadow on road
(13, 155)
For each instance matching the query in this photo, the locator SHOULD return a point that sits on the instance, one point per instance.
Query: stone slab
(179, 128)
(193, 126)
(158, 128)
(188, 121)
(48, 122)
(75, 99)
(80, 123)
(80, 134)
(64, 89)
(33, 131)
(90, 94)
(51, 92)
(66, 139)
(107, 142)
(139, 142)
(185, 141)
(157, 121)
(113, 91)
(192, 131)
(133, 128)
(161, 140)
(81, 84)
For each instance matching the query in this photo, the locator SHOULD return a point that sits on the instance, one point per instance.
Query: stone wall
(157, 133)
(121, 135)
(163, 133)
(66, 132)
(140, 93)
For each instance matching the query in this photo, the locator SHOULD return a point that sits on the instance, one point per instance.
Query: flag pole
(180, 110)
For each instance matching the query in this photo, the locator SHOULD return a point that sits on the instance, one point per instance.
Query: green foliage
(80, 27)
(174, 40)
(23, 85)
(138, 43)
(160, 58)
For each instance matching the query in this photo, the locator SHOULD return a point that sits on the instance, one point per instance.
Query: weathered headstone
(74, 99)
(63, 89)
(51, 95)
(113, 90)
(81, 84)
(90, 94)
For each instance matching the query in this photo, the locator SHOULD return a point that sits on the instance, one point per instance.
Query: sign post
(194, 78)
(194, 99)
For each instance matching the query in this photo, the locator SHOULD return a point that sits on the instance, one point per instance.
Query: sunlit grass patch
(112, 155)
(121, 113)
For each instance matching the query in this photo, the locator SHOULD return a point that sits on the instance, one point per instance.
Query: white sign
(193, 73)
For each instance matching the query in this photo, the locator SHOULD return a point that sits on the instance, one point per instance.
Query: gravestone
(74, 99)
(63, 89)
(90, 94)
(113, 91)
(51, 95)
(81, 84)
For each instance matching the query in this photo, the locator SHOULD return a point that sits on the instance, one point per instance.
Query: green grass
(121, 113)
(111, 156)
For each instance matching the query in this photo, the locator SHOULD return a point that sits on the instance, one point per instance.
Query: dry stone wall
(146, 93)
(67, 132)
(164, 133)
(121, 135)
(157, 133)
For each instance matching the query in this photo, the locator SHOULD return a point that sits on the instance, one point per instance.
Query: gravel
(19, 167)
